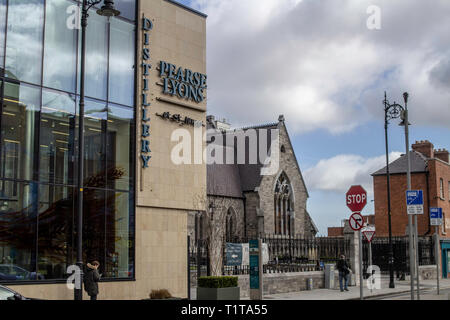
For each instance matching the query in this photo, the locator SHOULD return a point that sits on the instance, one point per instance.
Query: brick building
(430, 172)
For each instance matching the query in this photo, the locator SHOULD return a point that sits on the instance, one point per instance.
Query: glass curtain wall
(39, 96)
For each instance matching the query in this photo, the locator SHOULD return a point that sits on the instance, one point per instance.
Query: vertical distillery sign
(147, 26)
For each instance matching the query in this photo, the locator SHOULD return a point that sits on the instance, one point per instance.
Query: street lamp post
(393, 111)
(106, 10)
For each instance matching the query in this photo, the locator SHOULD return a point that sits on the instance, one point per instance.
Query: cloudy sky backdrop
(316, 62)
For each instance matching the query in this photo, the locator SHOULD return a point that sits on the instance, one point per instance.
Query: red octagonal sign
(356, 198)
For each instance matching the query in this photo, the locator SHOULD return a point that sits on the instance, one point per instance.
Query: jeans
(343, 276)
(94, 297)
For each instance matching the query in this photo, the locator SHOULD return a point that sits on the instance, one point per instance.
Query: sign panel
(436, 216)
(414, 201)
(254, 264)
(356, 221)
(369, 233)
(234, 254)
(356, 198)
(246, 254)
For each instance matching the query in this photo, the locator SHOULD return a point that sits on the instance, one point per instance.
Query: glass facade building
(39, 93)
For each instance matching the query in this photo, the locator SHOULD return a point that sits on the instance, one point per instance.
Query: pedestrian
(91, 278)
(344, 271)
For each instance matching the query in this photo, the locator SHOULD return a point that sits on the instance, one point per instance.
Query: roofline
(395, 173)
(187, 8)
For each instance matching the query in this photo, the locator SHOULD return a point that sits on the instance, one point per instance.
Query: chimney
(424, 147)
(442, 154)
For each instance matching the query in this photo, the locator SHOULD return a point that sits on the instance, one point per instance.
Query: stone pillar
(353, 257)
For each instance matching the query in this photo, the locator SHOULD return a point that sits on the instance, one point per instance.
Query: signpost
(356, 198)
(414, 205)
(369, 233)
(256, 272)
(436, 220)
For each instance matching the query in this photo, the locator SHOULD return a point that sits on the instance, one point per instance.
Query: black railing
(289, 254)
(380, 254)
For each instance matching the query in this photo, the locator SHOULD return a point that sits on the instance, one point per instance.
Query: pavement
(402, 291)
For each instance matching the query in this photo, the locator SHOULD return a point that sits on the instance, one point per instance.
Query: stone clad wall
(266, 189)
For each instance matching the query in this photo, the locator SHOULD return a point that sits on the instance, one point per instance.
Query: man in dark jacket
(344, 270)
(91, 278)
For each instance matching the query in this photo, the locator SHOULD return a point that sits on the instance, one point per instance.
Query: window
(2, 33)
(121, 64)
(24, 40)
(283, 205)
(60, 47)
(230, 226)
(444, 224)
(19, 129)
(448, 190)
(39, 77)
(441, 188)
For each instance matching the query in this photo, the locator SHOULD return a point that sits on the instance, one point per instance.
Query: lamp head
(108, 10)
(405, 97)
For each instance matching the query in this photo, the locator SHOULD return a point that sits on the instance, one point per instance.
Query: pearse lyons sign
(182, 83)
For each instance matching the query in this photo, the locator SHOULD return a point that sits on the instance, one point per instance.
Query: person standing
(344, 270)
(91, 278)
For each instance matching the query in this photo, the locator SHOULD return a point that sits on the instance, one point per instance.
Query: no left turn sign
(356, 221)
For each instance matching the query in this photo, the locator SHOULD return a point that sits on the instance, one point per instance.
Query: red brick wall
(399, 217)
(335, 231)
(438, 170)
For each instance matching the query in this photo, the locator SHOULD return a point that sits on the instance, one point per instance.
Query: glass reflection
(121, 63)
(18, 231)
(119, 236)
(127, 8)
(57, 138)
(94, 226)
(2, 33)
(24, 40)
(56, 239)
(95, 144)
(60, 47)
(19, 129)
(118, 147)
(96, 56)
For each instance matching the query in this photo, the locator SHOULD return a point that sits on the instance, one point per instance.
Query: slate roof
(417, 160)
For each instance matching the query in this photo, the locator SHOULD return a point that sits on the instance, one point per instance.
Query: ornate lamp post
(393, 111)
(106, 10)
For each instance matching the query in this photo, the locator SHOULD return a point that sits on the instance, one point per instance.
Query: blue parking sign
(436, 216)
(414, 201)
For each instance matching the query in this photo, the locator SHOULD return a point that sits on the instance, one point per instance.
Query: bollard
(309, 284)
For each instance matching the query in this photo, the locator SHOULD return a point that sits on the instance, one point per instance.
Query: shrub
(160, 294)
(217, 282)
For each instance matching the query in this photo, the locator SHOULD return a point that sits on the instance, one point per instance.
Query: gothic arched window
(229, 226)
(283, 206)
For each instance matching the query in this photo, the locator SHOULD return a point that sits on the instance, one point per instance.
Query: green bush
(217, 282)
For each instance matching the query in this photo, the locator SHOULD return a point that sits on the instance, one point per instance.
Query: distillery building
(145, 78)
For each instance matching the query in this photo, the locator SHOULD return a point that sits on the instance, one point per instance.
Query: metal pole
(437, 257)
(391, 251)
(371, 263)
(417, 257)
(78, 294)
(361, 285)
(188, 267)
(408, 180)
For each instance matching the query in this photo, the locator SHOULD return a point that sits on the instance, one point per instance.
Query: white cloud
(339, 173)
(318, 64)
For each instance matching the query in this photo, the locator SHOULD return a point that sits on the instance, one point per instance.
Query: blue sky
(319, 64)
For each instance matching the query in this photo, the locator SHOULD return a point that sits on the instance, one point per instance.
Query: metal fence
(400, 246)
(289, 254)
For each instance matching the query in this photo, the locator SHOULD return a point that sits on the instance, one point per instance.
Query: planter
(231, 293)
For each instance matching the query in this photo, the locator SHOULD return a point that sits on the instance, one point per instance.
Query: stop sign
(356, 198)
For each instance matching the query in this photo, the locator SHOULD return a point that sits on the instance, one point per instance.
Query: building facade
(245, 202)
(430, 172)
(145, 78)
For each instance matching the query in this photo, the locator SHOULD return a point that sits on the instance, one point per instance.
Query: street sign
(369, 233)
(356, 221)
(233, 254)
(254, 264)
(414, 201)
(436, 216)
(356, 198)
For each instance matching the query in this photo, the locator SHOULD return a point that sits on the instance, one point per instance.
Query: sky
(325, 65)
